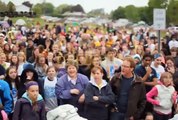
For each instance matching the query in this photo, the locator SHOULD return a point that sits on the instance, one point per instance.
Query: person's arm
(155, 82)
(17, 111)
(8, 101)
(108, 98)
(151, 94)
(60, 90)
(43, 112)
(90, 98)
(141, 103)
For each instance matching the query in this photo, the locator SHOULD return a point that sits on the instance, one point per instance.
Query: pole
(159, 42)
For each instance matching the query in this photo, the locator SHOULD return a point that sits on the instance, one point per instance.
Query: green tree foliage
(62, 9)
(38, 9)
(48, 8)
(44, 8)
(131, 13)
(118, 13)
(3, 7)
(143, 14)
(155, 4)
(77, 8)
(11, 7)
(172, 9)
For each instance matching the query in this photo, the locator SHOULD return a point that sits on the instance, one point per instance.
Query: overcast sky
(88, 5)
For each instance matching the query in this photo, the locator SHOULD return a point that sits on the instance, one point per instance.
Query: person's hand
(74, 91)
(29, 77)
(96, 98)
(131, 118)
(82, 98)
(171, 70)
(148, 70)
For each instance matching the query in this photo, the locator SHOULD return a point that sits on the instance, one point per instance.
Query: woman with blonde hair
(22, 61)
(139, 50)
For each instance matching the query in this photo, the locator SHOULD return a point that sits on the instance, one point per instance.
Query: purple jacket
(64, 86)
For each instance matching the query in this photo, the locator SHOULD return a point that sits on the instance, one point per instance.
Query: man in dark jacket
(149, 78)
(129, 91)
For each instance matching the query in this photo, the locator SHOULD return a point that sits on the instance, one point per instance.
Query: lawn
(32, 21)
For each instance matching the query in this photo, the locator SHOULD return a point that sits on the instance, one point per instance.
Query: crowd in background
(107, 73)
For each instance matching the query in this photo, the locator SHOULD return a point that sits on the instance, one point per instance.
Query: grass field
(32, 21)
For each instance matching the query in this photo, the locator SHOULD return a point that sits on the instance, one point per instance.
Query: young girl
(13, 81)
(22, 61)
(31, 106)
(14, 60)
(49, 89)
(164, 97)
(98, 95)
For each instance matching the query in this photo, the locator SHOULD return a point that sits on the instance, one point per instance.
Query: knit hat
(156, 56)
(30, 83)
(137, 56)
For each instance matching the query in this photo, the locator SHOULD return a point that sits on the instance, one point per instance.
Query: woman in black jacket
(98, 96)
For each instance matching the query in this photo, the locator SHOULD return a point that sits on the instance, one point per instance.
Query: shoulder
(3, 84)
(63, 77)
(81, 76)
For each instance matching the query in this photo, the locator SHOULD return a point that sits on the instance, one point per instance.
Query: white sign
(159, 19)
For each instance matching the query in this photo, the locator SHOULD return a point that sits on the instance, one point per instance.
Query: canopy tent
(20, 22)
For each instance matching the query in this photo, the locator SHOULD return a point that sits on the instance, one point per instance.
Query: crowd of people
(106, 73)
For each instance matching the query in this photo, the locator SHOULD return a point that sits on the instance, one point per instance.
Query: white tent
(20, 22)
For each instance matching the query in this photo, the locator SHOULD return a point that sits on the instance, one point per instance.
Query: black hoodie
(23, 80)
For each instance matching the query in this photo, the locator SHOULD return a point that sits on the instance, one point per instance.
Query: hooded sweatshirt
(26, 110)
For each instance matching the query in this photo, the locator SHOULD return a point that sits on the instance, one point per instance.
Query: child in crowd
(149, 116)
(31, 106)
(13, 81)
(49, 89)
(98, 96)
(164, 97)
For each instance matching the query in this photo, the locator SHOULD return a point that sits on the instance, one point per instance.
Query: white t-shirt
(49, 94)
(159, 70)
(173, 43)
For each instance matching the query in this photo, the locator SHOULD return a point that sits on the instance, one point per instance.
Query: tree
(172, 11)
(61, 9)
(118, 13)
(155, 4)
(142, 11)
(3, 7)
(38, 9)
(131, 13)
(45, 8)
(11, 7)
(77, 8)
(48, 8)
